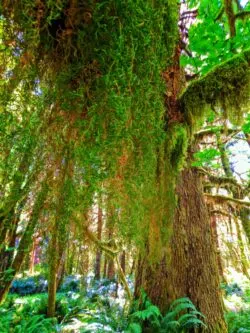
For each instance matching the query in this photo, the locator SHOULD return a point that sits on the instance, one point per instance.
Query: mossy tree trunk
(59, 230)
(193, 268)
(194, 265)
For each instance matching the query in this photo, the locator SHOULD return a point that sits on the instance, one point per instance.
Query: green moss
(226, 86)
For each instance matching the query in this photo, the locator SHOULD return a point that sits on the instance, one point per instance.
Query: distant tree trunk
(105, 265)
(216, 242)
(123, 261)
(133, 266)
(192, 270)
(61, 271)
(98, 252)
(111, 269)
(7, 276)
(242, 255)
(53, 266)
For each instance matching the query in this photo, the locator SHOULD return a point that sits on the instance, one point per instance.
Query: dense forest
(124, 166)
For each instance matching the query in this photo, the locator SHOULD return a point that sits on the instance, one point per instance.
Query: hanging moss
(226, 86)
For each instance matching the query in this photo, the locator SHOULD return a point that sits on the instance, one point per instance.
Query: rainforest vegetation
(124, 166)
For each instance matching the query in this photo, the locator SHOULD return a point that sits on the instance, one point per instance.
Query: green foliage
(246, 125)
(181, 316)
(205, 157)
(238, 322)
(96, 70)
(11, 322)
(215, 45)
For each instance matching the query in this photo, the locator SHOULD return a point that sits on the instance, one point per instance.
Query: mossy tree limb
(226, 86)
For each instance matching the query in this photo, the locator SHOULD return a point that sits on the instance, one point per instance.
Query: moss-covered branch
(222, 198)
(222, 181)
(113, 253)
(215, 129)
(226, 86)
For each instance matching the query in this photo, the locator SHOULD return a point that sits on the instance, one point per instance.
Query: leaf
(134, 328)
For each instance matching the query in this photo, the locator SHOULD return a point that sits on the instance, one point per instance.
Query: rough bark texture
(194, 268)
(213, 220)
(153, 279)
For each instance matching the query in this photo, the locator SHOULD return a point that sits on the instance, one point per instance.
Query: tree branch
(113, 253)
(223, 198)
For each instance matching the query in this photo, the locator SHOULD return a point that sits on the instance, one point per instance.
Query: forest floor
(97, 306)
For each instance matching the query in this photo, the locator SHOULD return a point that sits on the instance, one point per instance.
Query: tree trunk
(7, 276)
(53, 267)
(216, 242)
(193, 269)
(111, 269)
(123, 261)
(105, 264)
(194, 266)
(98, 251)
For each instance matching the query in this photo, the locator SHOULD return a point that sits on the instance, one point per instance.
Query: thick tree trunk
(194, 265)
(191, 267)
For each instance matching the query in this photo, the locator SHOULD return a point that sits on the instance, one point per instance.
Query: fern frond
(134, 328)
(193, 322)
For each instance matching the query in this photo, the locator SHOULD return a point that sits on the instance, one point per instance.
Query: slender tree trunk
(105, 265)
(123, 261)
(111, 269)
(98, 251)
(53, 266)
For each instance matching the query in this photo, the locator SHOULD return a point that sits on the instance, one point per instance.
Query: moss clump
(226, 86)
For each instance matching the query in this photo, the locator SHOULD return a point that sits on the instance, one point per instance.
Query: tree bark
(194, 266)
(98, 251)
(192, 269)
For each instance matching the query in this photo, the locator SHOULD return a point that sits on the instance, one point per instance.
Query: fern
(181, 317)
(151, 311)
(185, 321)
(134, 328)
(36, 324)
